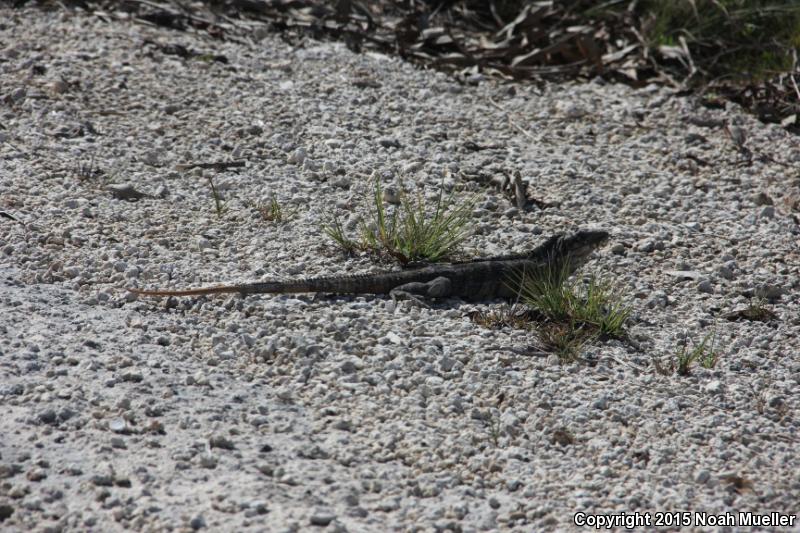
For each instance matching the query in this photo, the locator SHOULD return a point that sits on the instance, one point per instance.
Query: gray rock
(102, 480)
(6, 511)
(222, 442)
(322, 518)
(208, 460)
(685, 274)
(125, 191)
(388, 142)
(705, 286)
(769, 291)
(646, 245)
(298, 157)
(762, 198)
(446, 364)
(617, 248)
(601, 403)
(47, 416)
(119, 425)
(391, 195)
(153, 158)
(16, 95)
(513, 485)
(658, 299)
(714, 387)
(726, 271)
(197, 522)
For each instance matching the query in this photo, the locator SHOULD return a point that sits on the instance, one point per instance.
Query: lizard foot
(436, 288)
(398, 295)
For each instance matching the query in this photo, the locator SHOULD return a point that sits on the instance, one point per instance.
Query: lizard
(474, 280)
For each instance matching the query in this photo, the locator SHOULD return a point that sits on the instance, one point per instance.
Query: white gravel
(297, 413)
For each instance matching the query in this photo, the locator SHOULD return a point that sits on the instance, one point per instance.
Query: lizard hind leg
(440, 287)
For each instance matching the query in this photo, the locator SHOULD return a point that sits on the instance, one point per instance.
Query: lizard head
(580, 244)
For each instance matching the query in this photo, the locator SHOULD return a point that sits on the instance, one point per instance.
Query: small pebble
(197, 522)
(705, 286)
(322, 518)
(125, 191)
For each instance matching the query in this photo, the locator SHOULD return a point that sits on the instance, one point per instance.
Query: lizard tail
(184, 292)
(267, 287)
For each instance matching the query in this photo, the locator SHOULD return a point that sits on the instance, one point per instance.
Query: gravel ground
(304, 412)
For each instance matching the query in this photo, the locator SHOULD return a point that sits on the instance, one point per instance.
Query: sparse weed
(758, 311)
(565, 339)
(702, 353)
(493, 428)
(219, 204)
(88, 171)
(409, 233)
(336, 232)
(273, 211)
(601, 308)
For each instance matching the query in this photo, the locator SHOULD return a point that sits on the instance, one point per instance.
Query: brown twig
(9, 216)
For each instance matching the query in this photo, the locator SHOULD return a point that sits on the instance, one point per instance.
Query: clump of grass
(565, 339)
(593, 305)
(219, 204)
(273, 211)
(702, 353)
(758, 311)
(572, 314)
(411, 232)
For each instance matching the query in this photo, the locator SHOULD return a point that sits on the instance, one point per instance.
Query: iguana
(478, 279)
